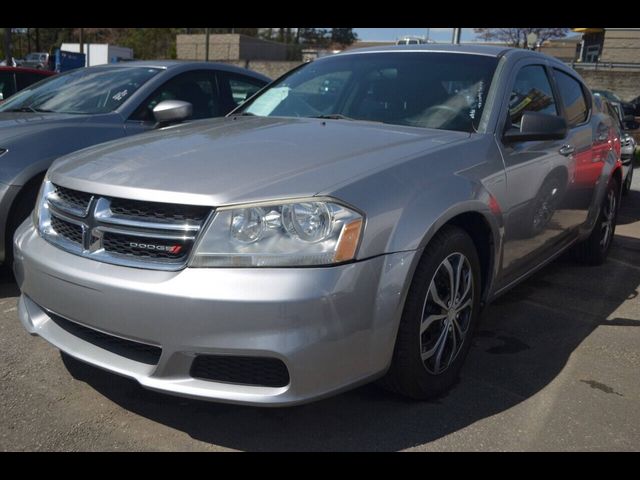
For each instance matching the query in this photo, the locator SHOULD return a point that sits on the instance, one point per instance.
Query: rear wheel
(626, 187)
(595, 248)
(439, 318)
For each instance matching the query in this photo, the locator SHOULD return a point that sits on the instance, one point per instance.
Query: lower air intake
(256, 371)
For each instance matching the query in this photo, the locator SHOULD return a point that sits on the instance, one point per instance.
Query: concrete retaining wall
(625, 83)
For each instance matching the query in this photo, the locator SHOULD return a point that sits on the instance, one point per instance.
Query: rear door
(590, 140)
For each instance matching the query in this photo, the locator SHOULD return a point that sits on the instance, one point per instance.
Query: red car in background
(14, 79)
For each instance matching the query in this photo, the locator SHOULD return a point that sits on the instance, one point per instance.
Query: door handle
(567, 150)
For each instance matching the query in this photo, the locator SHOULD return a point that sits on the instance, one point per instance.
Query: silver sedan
(346, 224)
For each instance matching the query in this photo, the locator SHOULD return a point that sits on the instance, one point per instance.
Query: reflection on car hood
(236, 159)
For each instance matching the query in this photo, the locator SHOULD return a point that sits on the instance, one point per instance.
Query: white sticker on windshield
(120, 95)
(268, 101)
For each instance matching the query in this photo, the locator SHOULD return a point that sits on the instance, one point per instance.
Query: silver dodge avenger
(347, 224)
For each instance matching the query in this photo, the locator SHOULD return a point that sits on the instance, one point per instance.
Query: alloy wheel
(608, 218)
(447, 313)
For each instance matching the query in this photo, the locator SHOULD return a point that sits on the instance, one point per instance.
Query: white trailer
(100, 53)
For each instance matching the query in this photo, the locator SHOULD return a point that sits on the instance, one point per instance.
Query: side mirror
(537, 126)
(172, 111)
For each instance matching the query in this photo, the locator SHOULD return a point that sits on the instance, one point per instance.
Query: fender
(612, 164)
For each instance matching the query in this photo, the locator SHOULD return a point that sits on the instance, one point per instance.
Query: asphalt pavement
(554, 366)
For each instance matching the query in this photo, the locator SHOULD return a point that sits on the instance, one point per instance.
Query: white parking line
(626, 264)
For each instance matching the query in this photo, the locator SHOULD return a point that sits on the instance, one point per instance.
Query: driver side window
(198, 88)
(531, 92)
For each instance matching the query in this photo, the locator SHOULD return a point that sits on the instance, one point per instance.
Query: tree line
(160, 43)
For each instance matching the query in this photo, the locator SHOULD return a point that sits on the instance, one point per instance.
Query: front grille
(142, 248)
(135, 233)
(257, 371)
(139, 352)
(73, 198)
(158, 211)
(68, 230)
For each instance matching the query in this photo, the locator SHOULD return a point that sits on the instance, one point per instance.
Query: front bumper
(7, 195)
(332, 327)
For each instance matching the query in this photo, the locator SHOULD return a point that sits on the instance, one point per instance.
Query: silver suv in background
(316, 239)
(92, 105)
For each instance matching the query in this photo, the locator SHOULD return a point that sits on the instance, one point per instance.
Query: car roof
(185, 64)
(468, 48)
(44, 73)
(490, 50)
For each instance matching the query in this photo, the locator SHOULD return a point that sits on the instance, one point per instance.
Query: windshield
(82, 91)
(420, 89)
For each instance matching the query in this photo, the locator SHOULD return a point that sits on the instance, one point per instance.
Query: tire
(22, 206)
(409, 374)
(626, 187)
(595, 248)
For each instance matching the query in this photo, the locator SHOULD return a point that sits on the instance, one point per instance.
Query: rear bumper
(332, 327)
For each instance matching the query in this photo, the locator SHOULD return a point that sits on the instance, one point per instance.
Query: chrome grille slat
(70, 201)
(161, 241)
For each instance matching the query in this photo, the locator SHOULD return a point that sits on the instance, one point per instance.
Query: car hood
(17, 124)
(242, 159)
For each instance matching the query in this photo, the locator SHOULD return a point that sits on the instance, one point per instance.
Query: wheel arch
(25, 190)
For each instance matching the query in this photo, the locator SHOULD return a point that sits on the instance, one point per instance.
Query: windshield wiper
(28, 109)
(333, 116)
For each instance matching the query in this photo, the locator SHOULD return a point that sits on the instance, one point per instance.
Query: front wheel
(595, 248)
(439, 318)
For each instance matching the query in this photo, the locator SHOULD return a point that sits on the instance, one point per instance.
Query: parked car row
(346, 223)
(628, 145)
(92, 105)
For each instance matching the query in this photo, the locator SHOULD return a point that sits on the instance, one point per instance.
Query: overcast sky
(391, 34)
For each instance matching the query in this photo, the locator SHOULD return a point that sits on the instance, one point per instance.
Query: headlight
(41, 203)
(292, 233)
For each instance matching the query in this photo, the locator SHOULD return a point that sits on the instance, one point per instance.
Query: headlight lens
(292, 233)
(41, 204)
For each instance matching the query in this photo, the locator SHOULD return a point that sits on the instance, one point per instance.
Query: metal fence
(603, 65)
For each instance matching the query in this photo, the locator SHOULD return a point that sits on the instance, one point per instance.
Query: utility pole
(7, 46)
(206, 46)
(81, 40)
(456, 35)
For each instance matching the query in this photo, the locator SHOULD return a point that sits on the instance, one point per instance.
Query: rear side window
(24, 79)
(531, 92)
(196, 87)
(7, 87)
(235, 89)
(572, 98)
